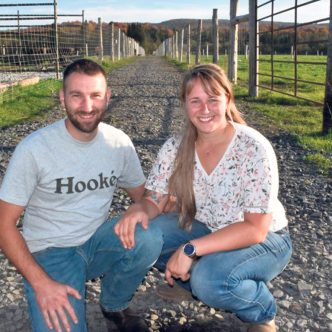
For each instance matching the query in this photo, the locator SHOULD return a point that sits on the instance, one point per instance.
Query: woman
(228, 235)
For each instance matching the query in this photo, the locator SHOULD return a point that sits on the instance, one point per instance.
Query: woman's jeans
(121, 270)
(232, 280)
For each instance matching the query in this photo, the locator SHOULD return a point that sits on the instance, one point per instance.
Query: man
(63, 177)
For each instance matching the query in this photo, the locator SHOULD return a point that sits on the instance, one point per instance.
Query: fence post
(327, 110)
(123, 44)
(215, 36)
(233, 39)
(173, 47)
(112, 42)
(199, 42)
(101, 46)
(188, 45)
(83, 31)
(253, 49)
(19, 39)
(119, 44)
(56, 39)
(181, 46)
(176, 44)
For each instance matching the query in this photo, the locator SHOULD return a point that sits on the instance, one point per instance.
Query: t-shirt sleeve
(261, 179)
(21, 177)
(132, 175)
(162, 168)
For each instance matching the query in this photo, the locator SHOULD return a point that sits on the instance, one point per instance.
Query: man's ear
(108, 94)
(62, 97)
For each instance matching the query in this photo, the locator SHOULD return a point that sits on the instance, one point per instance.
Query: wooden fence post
(327, 110)
(176, 44)
(253, 49)
(215, 36)
(188, 45)
(112, 41)
(86, 46)
(101, 46)
(83, 34)
(123, 38)
(181, 45)
(233, 40)
(19, 39)
(56, 40)
(199, 42)
(119, 44)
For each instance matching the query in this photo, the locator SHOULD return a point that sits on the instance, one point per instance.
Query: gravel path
(145, 106)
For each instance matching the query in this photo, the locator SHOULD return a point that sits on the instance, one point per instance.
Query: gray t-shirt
(67, 185)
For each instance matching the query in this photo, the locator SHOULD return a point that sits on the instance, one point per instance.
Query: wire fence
(37, 45)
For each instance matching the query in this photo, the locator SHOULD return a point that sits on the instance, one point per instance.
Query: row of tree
(311, 39)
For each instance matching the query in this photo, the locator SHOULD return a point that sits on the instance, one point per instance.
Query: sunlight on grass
(23, 103)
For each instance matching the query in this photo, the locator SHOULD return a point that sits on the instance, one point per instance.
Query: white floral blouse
(245, 180)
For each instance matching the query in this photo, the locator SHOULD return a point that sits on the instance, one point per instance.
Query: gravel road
(145, 105)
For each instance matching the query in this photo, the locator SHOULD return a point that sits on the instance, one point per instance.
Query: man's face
(85, 99)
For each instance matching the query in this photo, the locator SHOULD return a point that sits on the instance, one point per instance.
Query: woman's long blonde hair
(214, 82)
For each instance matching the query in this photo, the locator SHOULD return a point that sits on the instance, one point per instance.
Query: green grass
(108, 65)
(18, 104)
(300, 118)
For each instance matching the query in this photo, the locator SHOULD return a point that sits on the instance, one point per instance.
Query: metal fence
(26, 45)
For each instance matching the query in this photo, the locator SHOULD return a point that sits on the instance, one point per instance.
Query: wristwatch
(189, 250)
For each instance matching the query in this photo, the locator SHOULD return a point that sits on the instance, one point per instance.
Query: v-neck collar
(231, 143)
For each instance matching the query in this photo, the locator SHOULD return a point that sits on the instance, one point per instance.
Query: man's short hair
(84, 66)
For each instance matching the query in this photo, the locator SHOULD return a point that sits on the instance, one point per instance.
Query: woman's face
(206, 112)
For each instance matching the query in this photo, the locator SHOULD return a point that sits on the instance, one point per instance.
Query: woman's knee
(149, 240)
(208, 281)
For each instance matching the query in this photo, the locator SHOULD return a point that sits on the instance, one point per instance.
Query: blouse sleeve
(162, 168)
(261, 179)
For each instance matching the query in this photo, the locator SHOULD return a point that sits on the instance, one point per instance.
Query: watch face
(189, 249)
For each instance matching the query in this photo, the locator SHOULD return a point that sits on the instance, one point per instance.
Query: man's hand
(178, 267)
(125, 228)
(54, 304)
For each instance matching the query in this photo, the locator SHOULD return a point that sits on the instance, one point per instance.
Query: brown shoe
(175, 292)
(263, 327)
(126, 320)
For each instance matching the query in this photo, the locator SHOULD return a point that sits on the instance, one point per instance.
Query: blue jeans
(232, 280)
(103, 255)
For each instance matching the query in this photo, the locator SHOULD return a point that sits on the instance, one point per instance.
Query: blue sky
(157, 11)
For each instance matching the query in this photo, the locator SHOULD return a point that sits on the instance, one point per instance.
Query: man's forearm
(14, 247)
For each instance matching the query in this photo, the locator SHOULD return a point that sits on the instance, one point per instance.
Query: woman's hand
(178, 267)
(125, 227)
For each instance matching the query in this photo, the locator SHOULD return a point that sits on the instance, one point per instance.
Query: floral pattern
(245, 180)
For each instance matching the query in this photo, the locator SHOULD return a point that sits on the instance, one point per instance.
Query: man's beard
(86, 127)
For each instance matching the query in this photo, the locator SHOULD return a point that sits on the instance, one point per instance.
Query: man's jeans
(121, 270)
(232, 280)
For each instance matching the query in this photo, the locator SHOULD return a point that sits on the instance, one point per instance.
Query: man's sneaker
(263, 327)
(126, 320)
